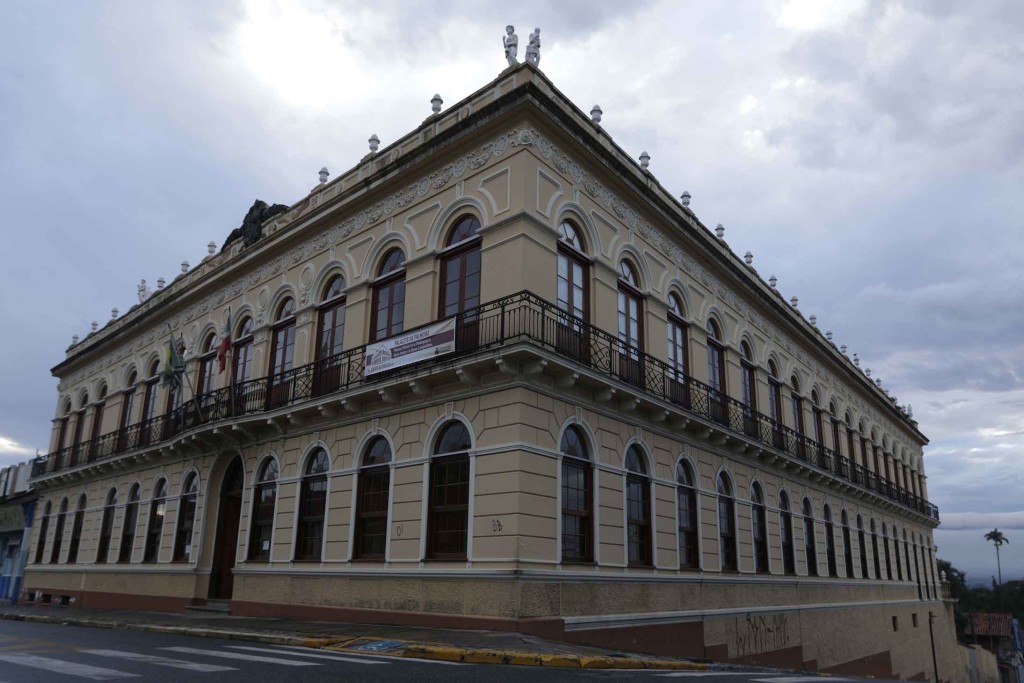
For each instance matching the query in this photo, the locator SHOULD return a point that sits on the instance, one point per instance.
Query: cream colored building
(636, 441)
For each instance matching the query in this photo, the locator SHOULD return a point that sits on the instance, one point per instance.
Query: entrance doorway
(226, 539)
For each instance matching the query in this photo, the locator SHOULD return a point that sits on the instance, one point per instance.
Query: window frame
(311, 514)
(639, 534)
(155, 528)
(261, 525)
(575, 458)
(687, 535)
(373, 483)
(728, 554)
(187, 505)
(393, 282)
(455, 460)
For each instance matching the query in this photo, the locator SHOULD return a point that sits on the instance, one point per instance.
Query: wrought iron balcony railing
(522, 317)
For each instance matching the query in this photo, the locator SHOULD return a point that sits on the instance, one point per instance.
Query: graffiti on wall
(757, 633)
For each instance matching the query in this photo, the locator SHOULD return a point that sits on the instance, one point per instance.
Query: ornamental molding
(515, 138)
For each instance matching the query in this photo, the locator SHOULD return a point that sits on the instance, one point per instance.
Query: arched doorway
(226, 538)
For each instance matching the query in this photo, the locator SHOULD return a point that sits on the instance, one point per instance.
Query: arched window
(863, 547)
(127, 410)
(44, 526)
(810, 542)
(58, 536)
(847, 545)
(207, 364)
(131, 519)
(830, 543)
(149, 425)
(577, 497)
(726, 523)
(186, 518)
(389, 297)
(282, 353)
(460, 280)
(775, 400)
(851, 447)
(261, 529)
(786, 530)
(875, 552)
(331, 326)
(638, 507)
(372, 500)
(76, 530)
(885, 542)
(896, 548)
(243, 353)
(106, 527)
(686, 511)
(797, 404)
(76, 441)
(573, 284)
(837, 444)
(819, 428)
(631, 325)
(97, 420)
(312, 507)
(748, 377)
(155, 526)
(716, 372)
(448, 514)
(678, 353)
(63, 431)
(759, 521)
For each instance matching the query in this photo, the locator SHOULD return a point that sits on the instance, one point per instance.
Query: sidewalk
(481, 647)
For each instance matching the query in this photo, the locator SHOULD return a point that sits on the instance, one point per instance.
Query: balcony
(518, 319)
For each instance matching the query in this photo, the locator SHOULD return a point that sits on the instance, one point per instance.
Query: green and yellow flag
(173, 367)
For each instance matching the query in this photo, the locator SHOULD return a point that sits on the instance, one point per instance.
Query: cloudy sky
(869, 154)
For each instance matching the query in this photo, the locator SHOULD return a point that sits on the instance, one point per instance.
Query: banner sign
(406, 349)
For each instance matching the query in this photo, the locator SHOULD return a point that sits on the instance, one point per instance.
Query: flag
(173, 367)
(225, 345)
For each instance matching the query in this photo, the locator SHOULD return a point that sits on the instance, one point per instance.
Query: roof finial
(856, 360)
(794, 302)
(160, 282)
(595, 113)
(435, 103)
(74, 339)
(842, 349)
(814, 320)
(184, 267)
(720, 231)
(113, 313)
(772, 281)
(95, 326)
(685, 198)
(211, 248)
(374, 143)
(324, 175)
(828, 335)
(748, 258)
(645, 159)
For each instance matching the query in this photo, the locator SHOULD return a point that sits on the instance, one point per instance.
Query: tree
(997, 537)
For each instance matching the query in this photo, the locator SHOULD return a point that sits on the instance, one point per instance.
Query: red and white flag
(225, 345)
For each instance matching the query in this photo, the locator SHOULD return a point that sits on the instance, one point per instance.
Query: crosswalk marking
(94, 673)
(238, 655)
(338, 657)
(162, 661)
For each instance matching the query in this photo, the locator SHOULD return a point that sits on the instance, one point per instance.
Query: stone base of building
(875, 631)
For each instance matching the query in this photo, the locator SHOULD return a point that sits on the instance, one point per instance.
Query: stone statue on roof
(533, 48)
(511, 42)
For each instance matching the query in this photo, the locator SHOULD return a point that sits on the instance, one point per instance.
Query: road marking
(162, 661)
(799, 679)
(238, 655)
(387, 658)
(95, 673)
(338, 657)
(687, 674)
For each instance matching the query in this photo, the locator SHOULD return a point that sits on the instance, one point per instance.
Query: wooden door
(226, 539)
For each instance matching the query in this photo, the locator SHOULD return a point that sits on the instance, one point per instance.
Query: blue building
(17, 507)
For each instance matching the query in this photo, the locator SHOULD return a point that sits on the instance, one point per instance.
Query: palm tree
(997, 537)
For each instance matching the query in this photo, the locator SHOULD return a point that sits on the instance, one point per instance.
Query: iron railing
(522, 317)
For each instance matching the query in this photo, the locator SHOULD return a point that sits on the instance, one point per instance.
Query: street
(32, 652)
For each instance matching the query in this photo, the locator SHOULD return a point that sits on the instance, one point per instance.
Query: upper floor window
(243, 352)
(155, 527)
(749, 376)
(716, 372)
(312, 506)
(264, 498)
(331, 332)
(631, 329)
(726, 523)
(572, 283)
(460, 280)
(686, 512)
(678, 354)
(389, 297)
(638, 507)
(448, 512)
(819, 424)
(810, 542)
(577, 497)
(128, 401)
(372, 500)
(97, 417)
(798, 406)
(186, 518)
(282, 353)
(207, 363)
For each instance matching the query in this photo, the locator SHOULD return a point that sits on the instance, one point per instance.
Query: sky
(867, 152)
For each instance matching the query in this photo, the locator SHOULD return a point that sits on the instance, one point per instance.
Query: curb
(488, 656)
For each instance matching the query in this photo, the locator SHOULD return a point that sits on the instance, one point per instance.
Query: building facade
(17, 507)
(495, 376)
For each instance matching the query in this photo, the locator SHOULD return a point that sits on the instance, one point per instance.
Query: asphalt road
(32, 653)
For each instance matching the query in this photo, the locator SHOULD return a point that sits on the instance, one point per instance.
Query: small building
(17, 505)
